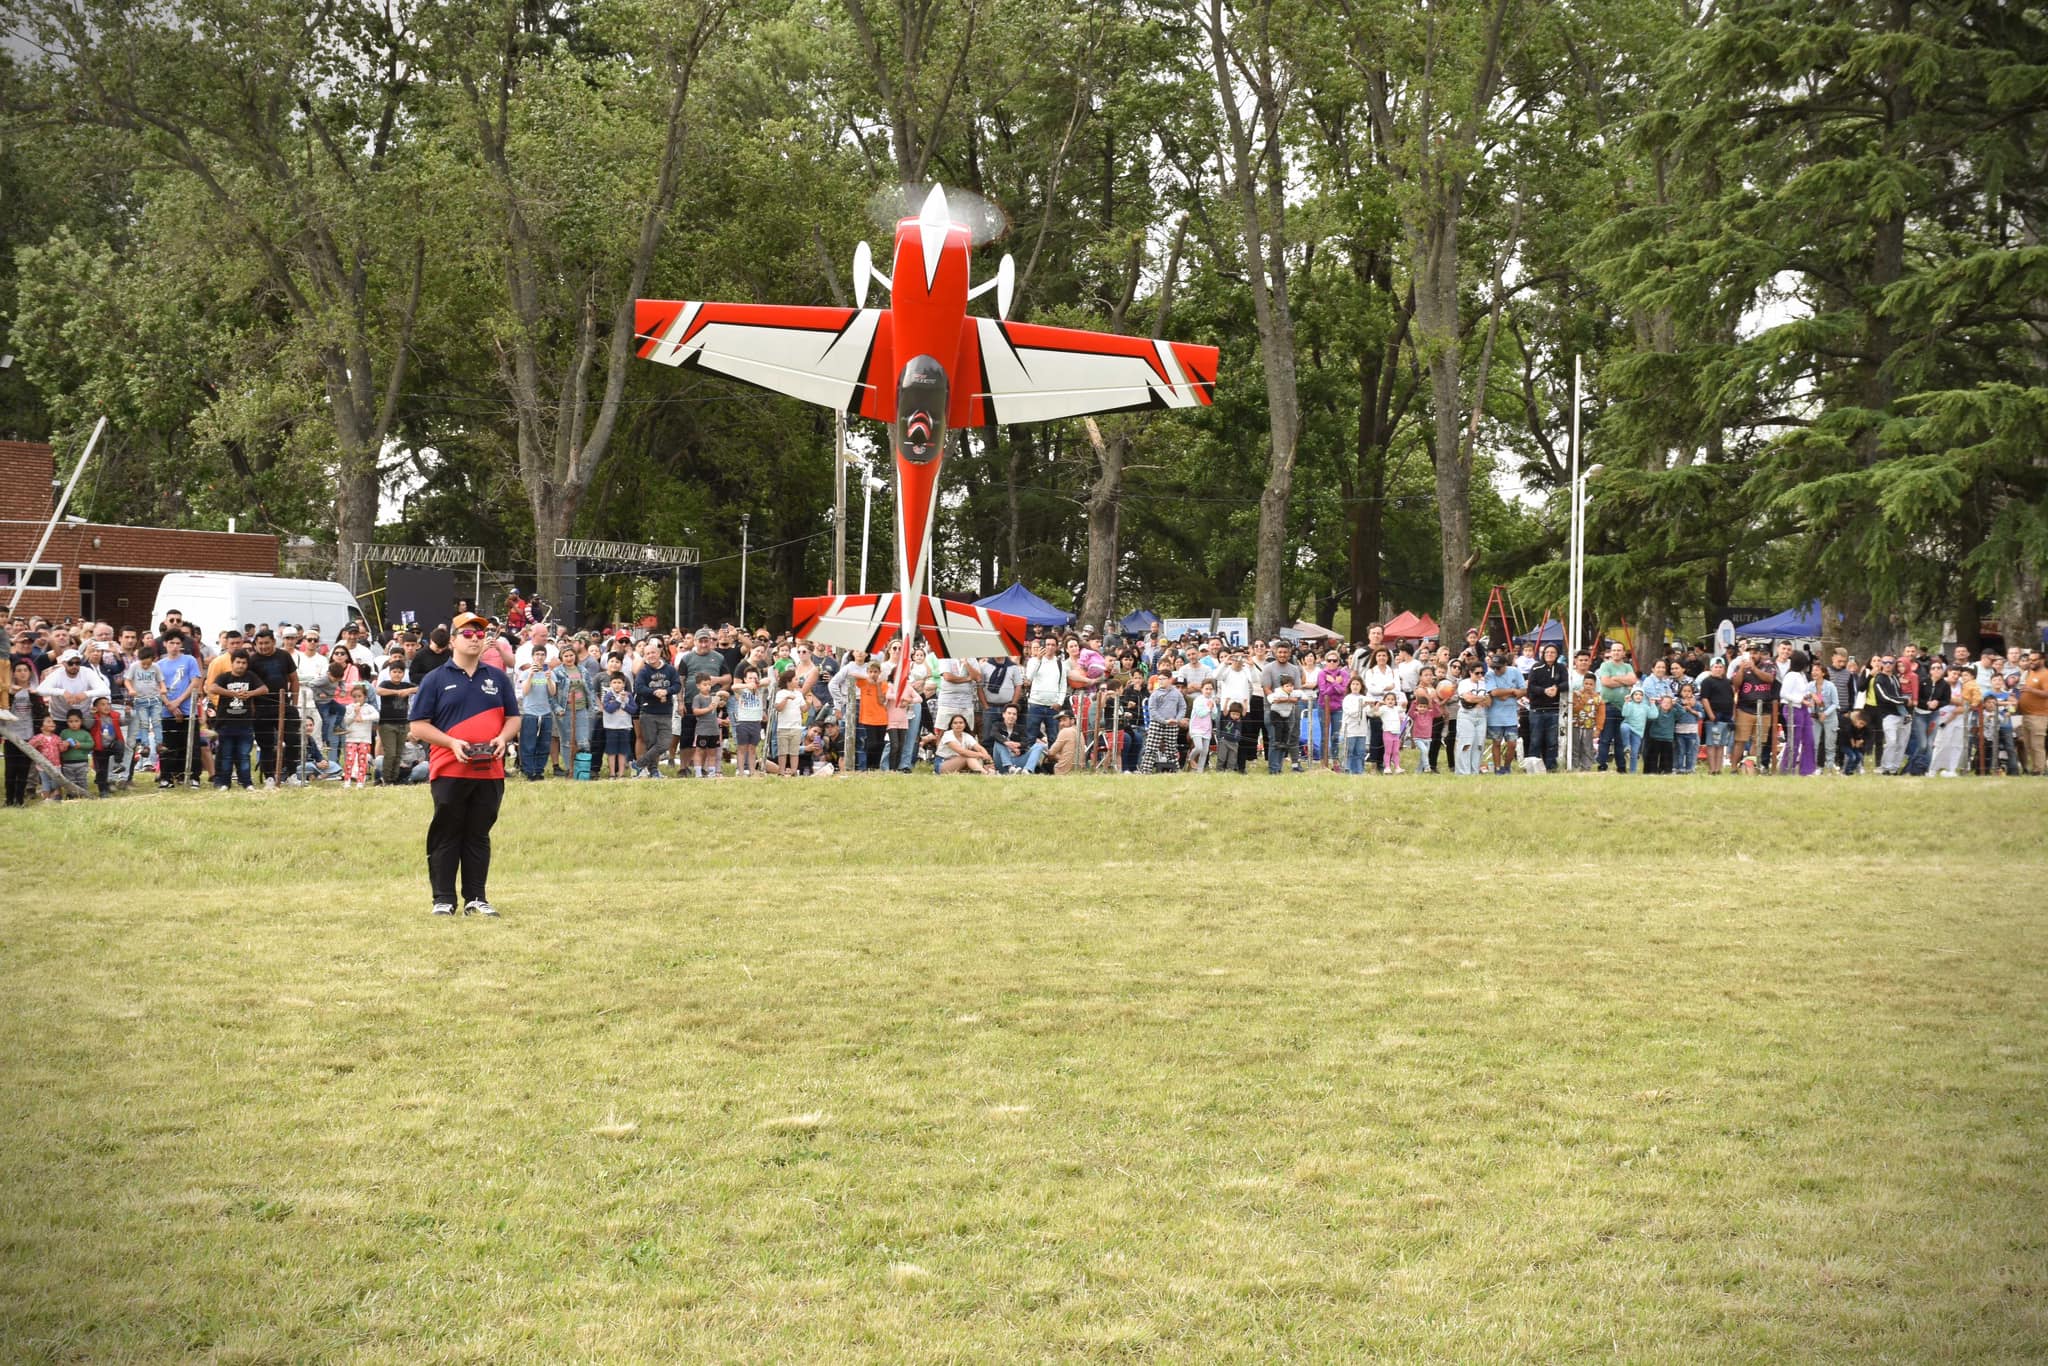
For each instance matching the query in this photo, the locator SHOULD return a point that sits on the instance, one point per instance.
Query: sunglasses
(471, 633)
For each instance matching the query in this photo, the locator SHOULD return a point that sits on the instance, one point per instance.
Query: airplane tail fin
(869, 621)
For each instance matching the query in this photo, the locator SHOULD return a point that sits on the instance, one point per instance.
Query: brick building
(97, 571)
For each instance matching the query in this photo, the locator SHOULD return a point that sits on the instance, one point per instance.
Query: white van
(219, 602)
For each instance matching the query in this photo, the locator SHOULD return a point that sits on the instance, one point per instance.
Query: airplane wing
(869, 621)
(1031, 373)
(836, 357)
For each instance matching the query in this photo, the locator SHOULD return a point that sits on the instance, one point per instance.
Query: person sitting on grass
(1065, 750)
(959, 751)
(1012, 754)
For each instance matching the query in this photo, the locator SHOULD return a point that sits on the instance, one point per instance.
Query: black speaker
(689, 596)
(417, 597)
(570, 609)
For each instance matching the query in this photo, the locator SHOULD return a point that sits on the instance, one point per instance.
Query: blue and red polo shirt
(470, 707)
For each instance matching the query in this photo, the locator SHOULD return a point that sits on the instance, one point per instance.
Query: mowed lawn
(1199, 1068)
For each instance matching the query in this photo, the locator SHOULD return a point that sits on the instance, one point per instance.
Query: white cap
(68, 656)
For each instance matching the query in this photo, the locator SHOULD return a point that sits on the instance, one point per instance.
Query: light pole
(870, 486)
(1578, 577)
(743, 570)
(1575, 569)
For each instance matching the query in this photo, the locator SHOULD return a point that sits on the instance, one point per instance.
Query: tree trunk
(355, 519)
(1098, 604)
(553, 515)
(1013, 508)
(1263, 248)
(1437, 324)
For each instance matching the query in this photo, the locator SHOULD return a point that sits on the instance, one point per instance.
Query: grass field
(1191, 1068)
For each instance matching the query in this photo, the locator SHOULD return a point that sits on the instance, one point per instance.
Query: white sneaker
(478, 906)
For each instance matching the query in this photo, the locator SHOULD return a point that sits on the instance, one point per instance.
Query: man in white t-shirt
(959, 687)
(1002, 682)
(1407, 669)
(535, 638)
(1045, 678)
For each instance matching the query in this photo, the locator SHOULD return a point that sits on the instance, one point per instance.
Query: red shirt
(470, 708)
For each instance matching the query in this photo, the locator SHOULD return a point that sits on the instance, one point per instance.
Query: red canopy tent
(1408, 626)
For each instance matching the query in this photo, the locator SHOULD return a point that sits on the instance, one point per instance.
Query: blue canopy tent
(1139, 622)
(1020, 601)
(1551, 633)
(1797, 623)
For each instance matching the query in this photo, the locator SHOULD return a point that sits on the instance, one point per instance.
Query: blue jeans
(534, 733)
(1688, 751)
(1281, 744)
(149, 723)
(1007, 758)
(331, 717)
(1631, 750)
(231, 758)
(1610, 738)
(1355, 747)
(1041, 724)
(584, 718)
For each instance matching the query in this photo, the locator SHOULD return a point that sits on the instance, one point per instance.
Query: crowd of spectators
(262, 704)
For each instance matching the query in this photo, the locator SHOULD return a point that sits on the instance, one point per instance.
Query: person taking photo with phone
(463, 713)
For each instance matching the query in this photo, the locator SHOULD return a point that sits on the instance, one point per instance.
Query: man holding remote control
(463, 713)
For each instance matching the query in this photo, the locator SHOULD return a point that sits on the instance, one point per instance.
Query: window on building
(23, 576)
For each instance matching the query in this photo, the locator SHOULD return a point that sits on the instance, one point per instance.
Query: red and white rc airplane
(923, 366)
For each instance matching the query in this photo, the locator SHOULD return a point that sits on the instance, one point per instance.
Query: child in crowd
(619, 711)
(50, 744)
(359, 733)
(106, 742)
(1424, 711)
(1686, 717)
(76, 759)
(704, 721)
(146, 691)
(1202, 714)
(1855, 741)
(1355, 724)
(789, 726)
(1391, 715)
(1635, 720)
(749, 705)
(1230, 740)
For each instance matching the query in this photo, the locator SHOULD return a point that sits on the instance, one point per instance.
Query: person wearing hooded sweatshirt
(1635, 720)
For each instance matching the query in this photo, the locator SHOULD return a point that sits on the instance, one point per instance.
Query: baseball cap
(68, 656)
(704, 633)
(463, 619)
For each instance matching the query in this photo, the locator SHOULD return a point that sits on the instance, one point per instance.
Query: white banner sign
(1234, 630)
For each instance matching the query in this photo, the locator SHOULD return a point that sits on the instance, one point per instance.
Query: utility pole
(744, 517)
(838, 501)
